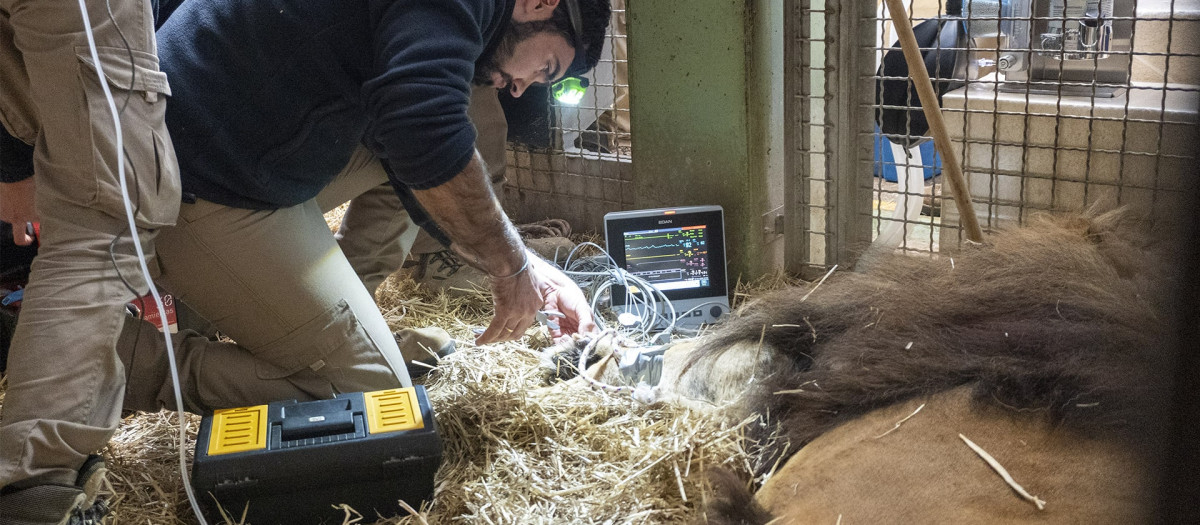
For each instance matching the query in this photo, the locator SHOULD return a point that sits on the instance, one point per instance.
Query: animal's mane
(1062, 319)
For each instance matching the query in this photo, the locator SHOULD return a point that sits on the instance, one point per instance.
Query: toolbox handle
(315, 419)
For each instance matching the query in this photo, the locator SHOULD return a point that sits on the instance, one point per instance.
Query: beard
(514, 34)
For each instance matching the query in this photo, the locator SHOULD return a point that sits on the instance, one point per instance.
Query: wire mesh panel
(827, 167)
(578, 168)
(1068, 104)
(1051, 105)
(905, 166)
(807, 185)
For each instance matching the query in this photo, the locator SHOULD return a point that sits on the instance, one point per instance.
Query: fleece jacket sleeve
(425, 59)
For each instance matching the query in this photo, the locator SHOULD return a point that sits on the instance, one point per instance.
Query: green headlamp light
(570, 90)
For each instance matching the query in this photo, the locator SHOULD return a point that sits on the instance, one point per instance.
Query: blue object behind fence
(885, 164)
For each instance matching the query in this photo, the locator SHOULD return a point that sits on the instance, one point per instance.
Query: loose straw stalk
(933, 114)
(991, 461)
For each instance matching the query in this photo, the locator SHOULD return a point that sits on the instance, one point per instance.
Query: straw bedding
(517, 449)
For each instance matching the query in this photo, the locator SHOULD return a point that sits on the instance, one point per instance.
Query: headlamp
(570, 90)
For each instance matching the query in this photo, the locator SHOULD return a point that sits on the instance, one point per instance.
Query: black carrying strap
(415, 210)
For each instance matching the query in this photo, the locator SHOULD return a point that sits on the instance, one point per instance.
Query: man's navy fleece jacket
(271, 97)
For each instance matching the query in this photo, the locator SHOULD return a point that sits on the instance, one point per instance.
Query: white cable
(137, 246)
(644, 306)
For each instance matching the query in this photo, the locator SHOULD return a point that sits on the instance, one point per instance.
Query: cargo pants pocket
(330, 351)
(139, 91)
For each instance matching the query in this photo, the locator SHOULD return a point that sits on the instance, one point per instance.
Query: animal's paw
(561, 361)
(646, 393)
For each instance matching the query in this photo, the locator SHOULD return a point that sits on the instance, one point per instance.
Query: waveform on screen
(681, 263)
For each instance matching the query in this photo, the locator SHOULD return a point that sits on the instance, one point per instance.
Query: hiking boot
(423, 345)
(444, 271)
(91, 477)
(93, 515)
(51, 504)
(56, 504)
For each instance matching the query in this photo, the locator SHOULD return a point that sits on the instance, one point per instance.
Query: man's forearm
(467, 211)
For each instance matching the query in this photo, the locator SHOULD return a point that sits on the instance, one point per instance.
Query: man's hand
(540, 287)
(467, 210)
(17, 208)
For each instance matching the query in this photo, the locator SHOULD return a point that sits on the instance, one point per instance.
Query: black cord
(129, 50)
(112, 255)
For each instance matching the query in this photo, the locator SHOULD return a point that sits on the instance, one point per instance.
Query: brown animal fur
(1060, 323)
(732, 503)
(1053, 333)
(1059, 319)
(923, 473)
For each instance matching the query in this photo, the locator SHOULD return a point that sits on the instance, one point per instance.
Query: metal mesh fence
(1051, 105)
(1075, 104)
(827, 170)
(581, 169)
(810, 237)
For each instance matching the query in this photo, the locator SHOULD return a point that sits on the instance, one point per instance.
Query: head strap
(579, 65)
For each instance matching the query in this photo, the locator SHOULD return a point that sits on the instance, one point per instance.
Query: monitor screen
(681, 251)
(669, 258)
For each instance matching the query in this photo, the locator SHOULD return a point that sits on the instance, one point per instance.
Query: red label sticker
(149, 311)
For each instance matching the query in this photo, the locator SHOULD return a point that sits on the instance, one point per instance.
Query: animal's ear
(1123, 222)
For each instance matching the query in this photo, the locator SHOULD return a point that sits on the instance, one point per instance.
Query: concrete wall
(702, 115)
(1047, 153)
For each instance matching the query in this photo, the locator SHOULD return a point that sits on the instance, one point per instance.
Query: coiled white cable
(137, 246)
(599, 279)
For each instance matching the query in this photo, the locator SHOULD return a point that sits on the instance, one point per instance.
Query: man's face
(522, 60)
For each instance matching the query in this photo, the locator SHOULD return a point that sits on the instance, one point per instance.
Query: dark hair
(594, 19)
(595, 15)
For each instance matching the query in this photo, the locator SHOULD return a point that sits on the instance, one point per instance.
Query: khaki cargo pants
(276, 282)
(298, 300)
(273, 280)
(64, 378)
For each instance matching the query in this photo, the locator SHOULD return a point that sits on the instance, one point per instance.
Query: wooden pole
(933, 114)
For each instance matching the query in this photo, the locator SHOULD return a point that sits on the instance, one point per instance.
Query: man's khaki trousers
(275, 282)
(298, 300)
(65, 381)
